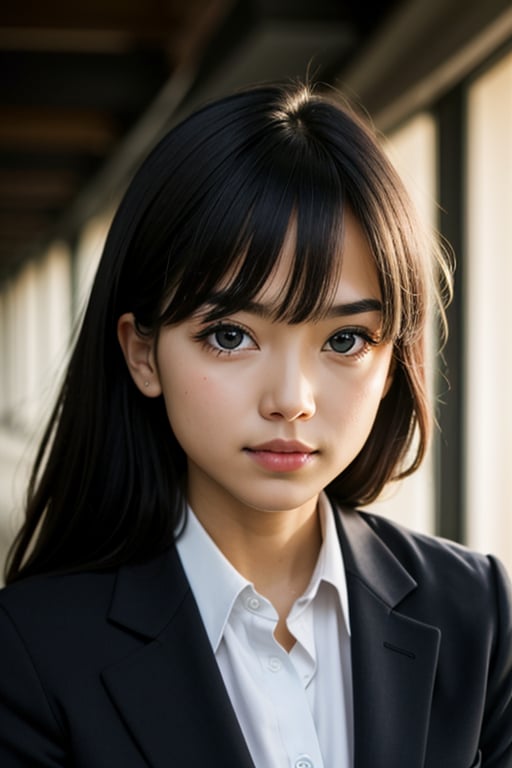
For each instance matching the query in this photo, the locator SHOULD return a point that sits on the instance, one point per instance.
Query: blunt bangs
(238, 230)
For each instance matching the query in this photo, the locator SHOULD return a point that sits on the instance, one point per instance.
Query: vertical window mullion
(451, 391)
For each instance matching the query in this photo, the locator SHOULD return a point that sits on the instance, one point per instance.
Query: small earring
(146, 383)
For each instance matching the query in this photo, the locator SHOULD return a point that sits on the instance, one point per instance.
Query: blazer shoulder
(69, 607)
(440, 558)
(54, 600)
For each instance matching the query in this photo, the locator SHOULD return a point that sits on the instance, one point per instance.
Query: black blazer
(114, 670)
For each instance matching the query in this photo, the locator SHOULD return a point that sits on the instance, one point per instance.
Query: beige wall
(412, 149)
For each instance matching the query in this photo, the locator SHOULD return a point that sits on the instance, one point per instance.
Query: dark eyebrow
(355, 308)
(337, 310)
(266, 312)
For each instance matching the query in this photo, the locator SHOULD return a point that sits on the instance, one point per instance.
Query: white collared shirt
(295, 709)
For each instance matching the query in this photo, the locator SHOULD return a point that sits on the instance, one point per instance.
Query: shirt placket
(285, 682)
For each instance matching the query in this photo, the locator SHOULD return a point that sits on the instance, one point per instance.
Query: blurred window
(488, 300)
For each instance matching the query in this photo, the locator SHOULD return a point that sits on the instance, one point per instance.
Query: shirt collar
(330, 566)
(216, 584)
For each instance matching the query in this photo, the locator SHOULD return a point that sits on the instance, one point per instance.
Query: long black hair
(210, 208)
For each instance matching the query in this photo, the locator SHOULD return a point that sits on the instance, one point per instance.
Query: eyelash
(356, 332)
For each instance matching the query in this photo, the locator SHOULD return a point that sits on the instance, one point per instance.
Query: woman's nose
(288, 392)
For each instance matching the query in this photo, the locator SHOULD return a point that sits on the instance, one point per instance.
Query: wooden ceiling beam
(67, 130)
(102, 82)
(141, 18)
(36, 189)
(53, 40)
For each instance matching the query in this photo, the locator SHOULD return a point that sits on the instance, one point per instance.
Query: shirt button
(252, 603)
(304, 762)
(274, 664)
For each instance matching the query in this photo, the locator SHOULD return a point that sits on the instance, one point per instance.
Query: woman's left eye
(349, 343)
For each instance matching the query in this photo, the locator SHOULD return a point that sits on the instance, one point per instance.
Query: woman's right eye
(227, 338)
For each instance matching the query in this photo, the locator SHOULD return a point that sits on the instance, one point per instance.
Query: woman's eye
(347, 343)
(229, 337)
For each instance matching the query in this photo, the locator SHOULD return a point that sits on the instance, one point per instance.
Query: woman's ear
(139, 354)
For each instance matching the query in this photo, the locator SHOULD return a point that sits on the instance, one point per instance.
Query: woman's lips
(281, 455)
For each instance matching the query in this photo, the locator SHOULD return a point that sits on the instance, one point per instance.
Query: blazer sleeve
(30, 734)
(496, 742)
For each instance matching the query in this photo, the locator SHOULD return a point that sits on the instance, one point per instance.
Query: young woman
(193, 584)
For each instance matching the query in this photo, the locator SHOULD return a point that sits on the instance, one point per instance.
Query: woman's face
(270, 413)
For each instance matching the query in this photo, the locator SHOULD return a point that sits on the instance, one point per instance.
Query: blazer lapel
(394, 657)
(170, 693)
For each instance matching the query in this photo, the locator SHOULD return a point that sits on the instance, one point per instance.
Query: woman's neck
(277, 551)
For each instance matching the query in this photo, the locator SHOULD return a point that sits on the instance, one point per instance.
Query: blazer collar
(394, 656)
(147, 596)
(368, 559)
